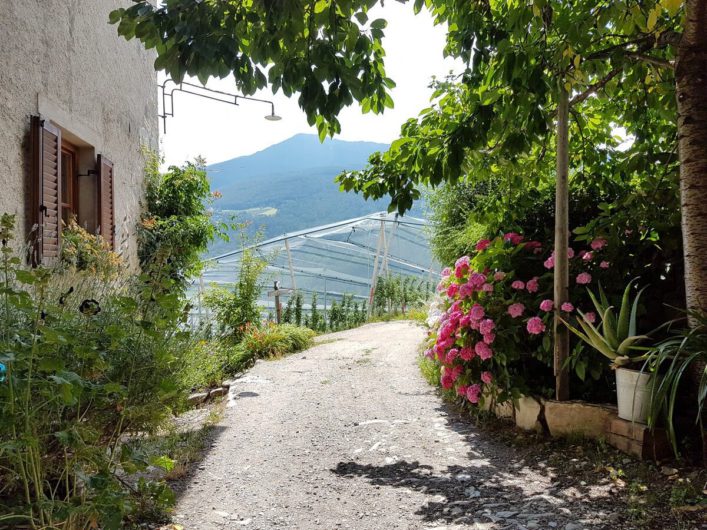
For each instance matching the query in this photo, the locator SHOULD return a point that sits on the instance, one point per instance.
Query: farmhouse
(78, 104)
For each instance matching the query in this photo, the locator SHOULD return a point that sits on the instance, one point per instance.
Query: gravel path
(348, 435)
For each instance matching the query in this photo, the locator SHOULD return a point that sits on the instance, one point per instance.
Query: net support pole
(374, 277)
(289, 263)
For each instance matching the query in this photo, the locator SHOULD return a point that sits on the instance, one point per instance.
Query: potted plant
(683, 354)
(616, 339)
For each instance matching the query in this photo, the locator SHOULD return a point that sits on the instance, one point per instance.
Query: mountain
(290, 186)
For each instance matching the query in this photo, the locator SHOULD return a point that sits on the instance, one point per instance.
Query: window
(68, 182)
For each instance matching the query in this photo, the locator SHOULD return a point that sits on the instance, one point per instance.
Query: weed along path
(348, 435)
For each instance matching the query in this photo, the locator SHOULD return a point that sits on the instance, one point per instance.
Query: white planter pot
(633, 394)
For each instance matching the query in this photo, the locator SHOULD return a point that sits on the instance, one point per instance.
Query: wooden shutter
(106, 203)
(46, 155)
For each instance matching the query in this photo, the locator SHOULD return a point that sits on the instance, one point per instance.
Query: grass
(416, 314)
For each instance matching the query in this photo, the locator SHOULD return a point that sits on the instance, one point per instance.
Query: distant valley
(290, 186)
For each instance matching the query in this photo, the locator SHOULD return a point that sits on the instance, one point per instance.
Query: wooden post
(278, 309)
(561, 287)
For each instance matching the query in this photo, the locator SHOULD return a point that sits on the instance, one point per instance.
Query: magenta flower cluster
(478, 301)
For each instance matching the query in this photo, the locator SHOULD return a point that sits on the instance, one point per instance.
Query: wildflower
(486, 326)
(590, 317)
(216, 194)
(598, 244)
(516, 310)
(547, 305)
(473, 393)
(489, 337)
(518, 284)
(567, 307)
(584, 278)
(477, 312)
(604, 265)
(549, 262)
(483, 350)
(486, 377)
(499, 275)
(482, 245)
(535, 326)
(532, 285)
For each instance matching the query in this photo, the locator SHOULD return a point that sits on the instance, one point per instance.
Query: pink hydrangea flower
(499, 275)
(452, 290)
(473, 393)
(466, 353)
(604, 265)
(446, 380)
(570, 252)
(590, 317)
(476, 280)
(486, 326)
(513, 237)
(483, 350)
(535, 326)
(516, 310)
(547, 305)
(446, 272)
(482, 245)
(477, 312)
(486, 377)
(583, 278)
(489, 337)
(549, 262)
(567, 307)
(532, 286)
(533, 245)
(598, 244)
(461, 267)
(429, 353)
(465, 291)
(451, 355)
(588, 256)
(518, 284)
(461, 390)
(487, 288)
(581, 253)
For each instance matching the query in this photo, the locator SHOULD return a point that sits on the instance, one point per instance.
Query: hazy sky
(219, 131)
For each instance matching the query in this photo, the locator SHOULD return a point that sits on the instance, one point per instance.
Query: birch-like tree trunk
(561, 276)
(691, 90)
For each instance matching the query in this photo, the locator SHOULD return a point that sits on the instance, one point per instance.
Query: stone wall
(61, 60)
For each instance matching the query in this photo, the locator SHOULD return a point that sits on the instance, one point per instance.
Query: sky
(218, 131)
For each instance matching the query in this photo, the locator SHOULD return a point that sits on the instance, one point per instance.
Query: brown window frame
(70, 179)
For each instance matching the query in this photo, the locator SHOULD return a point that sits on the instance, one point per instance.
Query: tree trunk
(561, 333)
(691, 90)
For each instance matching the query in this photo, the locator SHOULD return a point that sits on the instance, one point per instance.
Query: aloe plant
(615, 337)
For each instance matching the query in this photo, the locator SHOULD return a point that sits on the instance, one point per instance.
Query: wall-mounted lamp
(201, 91)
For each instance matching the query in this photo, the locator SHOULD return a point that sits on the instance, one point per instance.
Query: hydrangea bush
(493, 335)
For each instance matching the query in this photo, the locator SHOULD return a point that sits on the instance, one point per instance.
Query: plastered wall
(60, 59)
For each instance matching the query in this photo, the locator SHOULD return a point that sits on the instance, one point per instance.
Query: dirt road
(349, 435)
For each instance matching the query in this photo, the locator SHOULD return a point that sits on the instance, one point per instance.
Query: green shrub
(176, 221)
(82, 373)
(273, 340)
(237, 307)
